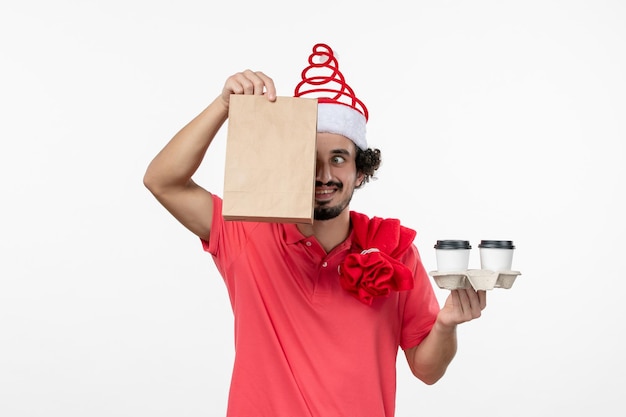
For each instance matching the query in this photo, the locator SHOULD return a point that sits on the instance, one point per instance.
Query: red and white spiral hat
(339, 111)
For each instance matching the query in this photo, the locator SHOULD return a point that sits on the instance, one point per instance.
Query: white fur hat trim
(343, 120)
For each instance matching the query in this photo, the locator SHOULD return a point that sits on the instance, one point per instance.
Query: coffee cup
(452, 255)
(496, 255)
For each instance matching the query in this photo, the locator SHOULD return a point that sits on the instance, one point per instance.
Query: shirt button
(325, 264)
(308, 243)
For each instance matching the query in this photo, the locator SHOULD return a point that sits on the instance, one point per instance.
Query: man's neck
(329, 233)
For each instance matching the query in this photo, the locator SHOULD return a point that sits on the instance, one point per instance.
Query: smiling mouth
(324, 194)
(324, 191)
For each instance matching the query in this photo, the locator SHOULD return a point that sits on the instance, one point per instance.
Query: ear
(360, 177)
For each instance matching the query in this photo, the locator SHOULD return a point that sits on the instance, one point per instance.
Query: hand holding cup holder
(496, 258)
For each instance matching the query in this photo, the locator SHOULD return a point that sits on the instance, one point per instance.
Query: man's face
(336, 176)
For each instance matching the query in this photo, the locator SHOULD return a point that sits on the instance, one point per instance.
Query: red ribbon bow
(374, 269)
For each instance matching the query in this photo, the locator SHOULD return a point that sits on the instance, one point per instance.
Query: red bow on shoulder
(373, 269)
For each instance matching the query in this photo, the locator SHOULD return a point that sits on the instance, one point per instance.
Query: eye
(338, 159)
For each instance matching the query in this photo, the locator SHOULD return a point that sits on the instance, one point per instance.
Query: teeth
(324, 192)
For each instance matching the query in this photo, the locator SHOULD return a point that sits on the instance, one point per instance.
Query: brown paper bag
(270, 159)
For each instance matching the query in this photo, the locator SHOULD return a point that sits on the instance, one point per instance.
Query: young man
(320, 310)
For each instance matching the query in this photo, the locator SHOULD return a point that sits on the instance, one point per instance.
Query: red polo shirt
(304, 347)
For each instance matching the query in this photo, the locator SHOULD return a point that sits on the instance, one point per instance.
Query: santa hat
(339, 111)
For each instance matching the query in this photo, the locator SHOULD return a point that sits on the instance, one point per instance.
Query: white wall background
(497, 119)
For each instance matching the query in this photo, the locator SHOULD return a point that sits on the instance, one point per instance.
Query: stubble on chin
(326, 213)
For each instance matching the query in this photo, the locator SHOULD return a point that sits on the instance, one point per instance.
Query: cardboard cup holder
(479, 279)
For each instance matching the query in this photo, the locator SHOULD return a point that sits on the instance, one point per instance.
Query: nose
(322, 172)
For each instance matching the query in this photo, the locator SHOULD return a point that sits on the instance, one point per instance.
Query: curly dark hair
(367, 162)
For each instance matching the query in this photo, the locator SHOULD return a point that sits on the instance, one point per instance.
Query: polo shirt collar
(291, 234)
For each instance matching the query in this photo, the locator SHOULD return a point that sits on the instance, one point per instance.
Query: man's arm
(430, 359)
(168, 176)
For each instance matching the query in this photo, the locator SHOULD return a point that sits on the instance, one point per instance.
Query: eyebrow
(340, 151)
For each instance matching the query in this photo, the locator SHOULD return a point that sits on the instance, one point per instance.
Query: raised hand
(248, 82)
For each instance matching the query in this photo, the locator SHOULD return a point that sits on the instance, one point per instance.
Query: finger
(245, 82)
(471, 304)
(270, 88)
(482, 298)
(463, 302)
(476, 304)
(255, 82)
(248, 83)
(234, 85)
